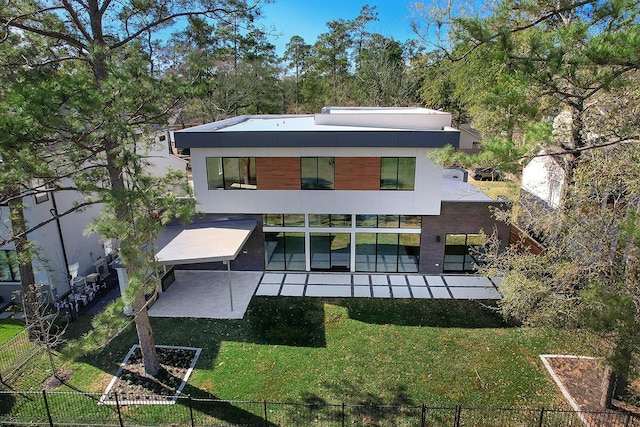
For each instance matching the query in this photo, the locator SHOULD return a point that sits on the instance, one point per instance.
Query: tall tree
(105, 41)
(524, 63)
(297, 54)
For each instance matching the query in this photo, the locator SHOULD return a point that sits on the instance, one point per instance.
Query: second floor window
(397, 173)
(231, 173)
(317, 173)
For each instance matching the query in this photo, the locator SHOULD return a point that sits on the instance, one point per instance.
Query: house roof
(455, 190)
(334, 127)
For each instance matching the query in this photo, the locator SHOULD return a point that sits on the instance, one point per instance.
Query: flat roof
(334, 127)
(220, 241)
(454, 190)
(282, 123)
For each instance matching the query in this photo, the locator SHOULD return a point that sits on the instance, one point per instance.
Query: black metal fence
(85, 409)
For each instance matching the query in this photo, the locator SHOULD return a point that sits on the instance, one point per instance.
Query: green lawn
(9, 329)
(493, 189)
(357, 351)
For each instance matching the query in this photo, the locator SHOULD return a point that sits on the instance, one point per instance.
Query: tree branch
(43, 223)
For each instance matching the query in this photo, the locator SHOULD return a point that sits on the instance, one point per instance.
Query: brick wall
(456, 217)
(278, 173)
(357, 173)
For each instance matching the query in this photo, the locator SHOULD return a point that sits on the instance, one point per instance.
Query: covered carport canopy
(219, 241)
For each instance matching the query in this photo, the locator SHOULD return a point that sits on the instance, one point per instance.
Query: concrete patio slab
(361, 279)
(294, 278)
(416, 281)
(468, 281)
(272, 278)
(205, 294)
(329, 279)
(440, 293)
(379, 280)
(292, 290)
(268, 290)
(475, 293)
(381, 291)
(6, 314)
(362, 291)
(398, 280)
(400, 292)
(497, 280)
(421, 292)
(328, 291)
(434, 280)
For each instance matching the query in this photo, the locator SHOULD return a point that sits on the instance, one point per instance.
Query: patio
(206, 294)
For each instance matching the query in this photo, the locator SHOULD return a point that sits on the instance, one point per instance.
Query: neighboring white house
(543, 177)
(63, 246)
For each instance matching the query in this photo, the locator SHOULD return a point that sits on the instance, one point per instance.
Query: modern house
(348, 189)
(63, 248)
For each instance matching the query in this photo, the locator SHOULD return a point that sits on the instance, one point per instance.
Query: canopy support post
(230, 292)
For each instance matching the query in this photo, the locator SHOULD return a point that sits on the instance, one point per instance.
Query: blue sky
(308, 19)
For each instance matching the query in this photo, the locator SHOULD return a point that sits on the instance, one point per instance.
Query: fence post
(264, 408)
(456, 422)
(118, 408)
(191, 411)
(541, 419)
(423, 420)
(46, 405)
(343, 415)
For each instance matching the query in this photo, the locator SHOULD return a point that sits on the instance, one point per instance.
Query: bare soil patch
(55, 382)
(132, 383)
(582, 377)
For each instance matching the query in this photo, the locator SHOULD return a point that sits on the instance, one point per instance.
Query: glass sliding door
(284, 251)
(330, 251)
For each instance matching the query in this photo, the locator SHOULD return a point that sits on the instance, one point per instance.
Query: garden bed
(132, 386)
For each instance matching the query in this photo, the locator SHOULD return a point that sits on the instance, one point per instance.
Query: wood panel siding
(278, 173)
(357, 173)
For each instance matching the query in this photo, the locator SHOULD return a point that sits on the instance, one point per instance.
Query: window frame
(224, 163)
(314, 184)
(390, 183)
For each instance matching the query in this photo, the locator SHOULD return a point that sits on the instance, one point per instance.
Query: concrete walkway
(205, 294)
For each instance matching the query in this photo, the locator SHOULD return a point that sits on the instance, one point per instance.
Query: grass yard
(9, 329)
(439, 352)
(493, 189)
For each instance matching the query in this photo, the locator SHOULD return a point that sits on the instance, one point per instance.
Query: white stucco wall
(424, 200)
(544, 177)
(48, 265)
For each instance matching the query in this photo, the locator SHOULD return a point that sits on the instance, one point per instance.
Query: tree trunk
(143, 324)
(27, 279)
(145, 335)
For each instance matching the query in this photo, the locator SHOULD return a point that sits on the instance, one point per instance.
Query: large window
(397, 173)
(387, 252)
(330, 220)
(9, 269)
(283, 220)
(284, 251)
(462, 252)
(317, 173)
(231, 173)
(388, 221)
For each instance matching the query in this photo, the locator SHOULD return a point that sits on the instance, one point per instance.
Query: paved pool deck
(205, 294)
